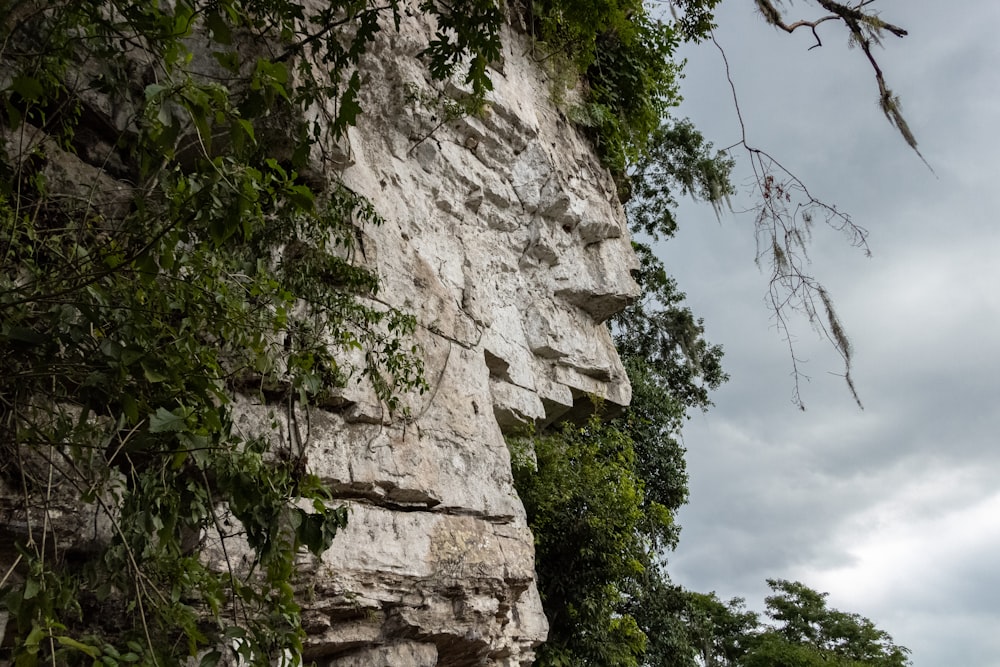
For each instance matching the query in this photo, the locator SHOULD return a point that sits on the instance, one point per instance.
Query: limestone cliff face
(504, 236)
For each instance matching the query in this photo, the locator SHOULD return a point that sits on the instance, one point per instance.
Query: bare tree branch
(783, 227)
(866, 29)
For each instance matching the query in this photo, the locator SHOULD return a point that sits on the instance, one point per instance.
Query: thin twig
(10, 570)
(782, 234)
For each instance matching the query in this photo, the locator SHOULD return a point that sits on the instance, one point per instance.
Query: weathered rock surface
(505, 238)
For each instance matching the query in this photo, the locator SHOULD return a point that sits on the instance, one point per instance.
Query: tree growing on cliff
(592, 527)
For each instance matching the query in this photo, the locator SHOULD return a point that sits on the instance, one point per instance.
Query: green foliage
(466, 31)
(653, 422)
(141, 289)
(678, 162)
(659, 609)
(633, 81)
(694, 18)
(803, 631)
(624, 52)
(807, 632)
(722, 632)
(585, 506)
(661, 334)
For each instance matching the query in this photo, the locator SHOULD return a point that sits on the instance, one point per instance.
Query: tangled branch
(866, 30)
(783, 226)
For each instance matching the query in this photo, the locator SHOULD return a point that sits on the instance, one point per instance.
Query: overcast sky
(894, 510)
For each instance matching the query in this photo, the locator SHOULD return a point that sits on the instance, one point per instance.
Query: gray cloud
(892, 510)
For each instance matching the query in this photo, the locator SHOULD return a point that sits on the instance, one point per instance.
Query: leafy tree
(585, 505)
(807, 632)
(722, 632)
(678, 162)
(802, 632)
(624, 53)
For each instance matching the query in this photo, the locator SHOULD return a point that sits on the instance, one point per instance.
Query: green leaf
(179, 458)
(210, 659)
(242, 131)
(350, 109)
(130, 408)
(131, 355)
(111, 349)
(230, 60)
(146, 263)
(302, 197)
(164, 421)
(219, 28)
(27, 87)
(301, 154)
(31, 588)
(14, 115)
(69, 642)
(153, 90)
(152, 374)
(34, 637)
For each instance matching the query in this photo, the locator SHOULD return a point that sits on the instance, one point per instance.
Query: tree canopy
(801, 631)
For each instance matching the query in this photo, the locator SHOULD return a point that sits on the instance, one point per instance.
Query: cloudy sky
(894, 510)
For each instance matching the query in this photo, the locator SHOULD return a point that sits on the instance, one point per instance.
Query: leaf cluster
(678, 162)
(802, 631)
(808, 632)
(584, 502)
(624, 54)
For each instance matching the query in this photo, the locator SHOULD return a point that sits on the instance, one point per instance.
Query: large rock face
(505, 237)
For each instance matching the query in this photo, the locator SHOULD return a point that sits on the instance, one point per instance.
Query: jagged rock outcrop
(505, 238)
